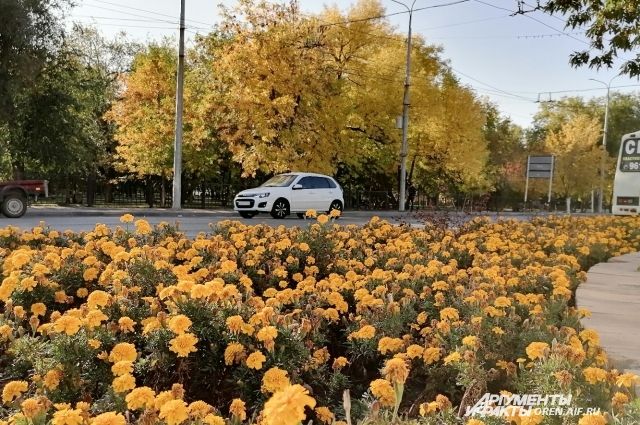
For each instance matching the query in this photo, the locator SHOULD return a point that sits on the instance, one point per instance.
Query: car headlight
(263, 195)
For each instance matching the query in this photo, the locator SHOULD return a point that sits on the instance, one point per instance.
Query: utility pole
(404, 149)
(177, 146)
(604, 141)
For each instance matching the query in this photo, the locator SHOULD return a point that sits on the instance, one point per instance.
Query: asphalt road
(190, 221)
(193, 222)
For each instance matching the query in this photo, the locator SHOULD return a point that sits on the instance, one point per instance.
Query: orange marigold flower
(287, 407)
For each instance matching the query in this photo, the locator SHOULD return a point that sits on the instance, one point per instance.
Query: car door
(322, 193)
(302, 199)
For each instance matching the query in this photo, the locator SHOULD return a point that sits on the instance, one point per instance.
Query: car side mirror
(297, 187)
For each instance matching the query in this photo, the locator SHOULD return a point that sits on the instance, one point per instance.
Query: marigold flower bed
(272, 325)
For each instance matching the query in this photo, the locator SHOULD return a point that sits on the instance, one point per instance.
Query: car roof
(300, 173)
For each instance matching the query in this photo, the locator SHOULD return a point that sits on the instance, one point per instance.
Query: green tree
(610, 25)
(29, 37)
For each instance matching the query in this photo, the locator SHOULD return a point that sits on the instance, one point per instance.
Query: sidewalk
(612, 294)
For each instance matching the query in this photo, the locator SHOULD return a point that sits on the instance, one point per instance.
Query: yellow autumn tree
(577, 156)
(280, 98)
(145, 115)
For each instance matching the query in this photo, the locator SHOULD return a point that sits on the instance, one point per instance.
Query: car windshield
(282, 180)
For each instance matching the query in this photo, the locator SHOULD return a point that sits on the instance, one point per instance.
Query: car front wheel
(280, 209)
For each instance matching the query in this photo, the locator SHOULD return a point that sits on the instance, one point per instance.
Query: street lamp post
(177, 145)
(405, 113)
(604, 140)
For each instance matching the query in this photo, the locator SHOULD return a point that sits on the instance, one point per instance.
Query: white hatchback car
(289, 193)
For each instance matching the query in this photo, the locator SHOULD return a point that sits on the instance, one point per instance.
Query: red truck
(14, 195)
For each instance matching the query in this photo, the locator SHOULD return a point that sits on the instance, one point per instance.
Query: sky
(512, 60)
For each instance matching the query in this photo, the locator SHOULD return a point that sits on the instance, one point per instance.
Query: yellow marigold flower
(593, 375)
(212, 419)
(449, 313)
(98, 299)
(174, 412)
(95, 318)
(94, 343)
(339, 363)
(366, 332)
(123, 352)
(143, 227)
(124, 383)
(619, 399)
(590, 336)
(238, 410)
(255, 360)
(13, 390)
(304, 247)
(199, 409)
(179, 324)
(390, 345)
(67, 417)
(470, 341)
(126, 324)
(183, 344)
(497, 330)
(310, 214)
(502, 302)
(322, 218)
(90, 274)
(626, 380)
(127, 218)
(109, 418)
(234, 353)
(286, 407)
(537, 350)
(383, 391)
(475, 422)
(452, 358)
(121, 368)
(268, 333)
(274, 379)
(396, 371)
(39, 309)
(235, 323)
(52, 379)
(427, 408)
(414, 351)
(595, 419)
(228, 266)
(140, 398)
(67, 324)
(431, 355)
(267, 336)
(324, 414)
(5, 331)
(31, 407)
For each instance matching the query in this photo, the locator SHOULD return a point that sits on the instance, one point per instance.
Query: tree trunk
(203, 195)
(91, 188)
(149, 192)
(163, 190)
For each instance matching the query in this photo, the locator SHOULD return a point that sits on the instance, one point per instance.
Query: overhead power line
(149, 11)
(515, 12)
(371, 18)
